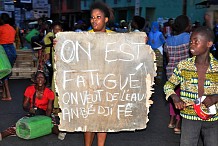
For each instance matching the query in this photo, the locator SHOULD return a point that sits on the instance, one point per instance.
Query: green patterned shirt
(185, 74)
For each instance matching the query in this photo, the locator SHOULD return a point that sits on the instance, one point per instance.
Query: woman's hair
(5, 18)
(206, 32)
(40, 72)
(101, 6)
(180, 24)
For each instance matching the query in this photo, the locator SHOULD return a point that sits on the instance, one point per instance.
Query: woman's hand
(54, 42)
(32, 111)
(146, 39)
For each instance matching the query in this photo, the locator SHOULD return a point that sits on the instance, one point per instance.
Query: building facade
(71, 11)
(151, 9)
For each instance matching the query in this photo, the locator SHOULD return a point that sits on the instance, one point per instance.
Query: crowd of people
(186, 55)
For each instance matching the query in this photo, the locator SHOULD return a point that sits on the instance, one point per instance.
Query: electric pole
(184, 7)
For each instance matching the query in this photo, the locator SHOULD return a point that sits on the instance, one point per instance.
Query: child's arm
(179, 104)
(210, 100)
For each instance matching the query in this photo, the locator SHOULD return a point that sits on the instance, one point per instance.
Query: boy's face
(199, 45)
(98, 20)
(57, 29)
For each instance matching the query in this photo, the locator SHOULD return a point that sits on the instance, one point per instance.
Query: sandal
(6, 99)
(171, 126)
(177, 130)
(61, 135)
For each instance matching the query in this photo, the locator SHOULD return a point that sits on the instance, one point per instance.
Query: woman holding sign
(100, 15)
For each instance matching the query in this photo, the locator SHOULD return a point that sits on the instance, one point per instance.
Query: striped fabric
(185, 74)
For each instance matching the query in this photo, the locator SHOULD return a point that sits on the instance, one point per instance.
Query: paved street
(156, 133)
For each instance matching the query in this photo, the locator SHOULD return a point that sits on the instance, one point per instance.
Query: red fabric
(7, 34)
(40, 103)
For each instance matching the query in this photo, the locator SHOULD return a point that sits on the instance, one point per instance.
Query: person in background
(79, 26)
(147, 26)
(44, 26)
(197, 77)
(100, 15)
(44, 99)
(7, 38)
(137, 23)
(208, 20)
(177, 49)
(49, 58)
(156, 40)
(123, 28)
(167, 30)
(214, 49)
(18, 38)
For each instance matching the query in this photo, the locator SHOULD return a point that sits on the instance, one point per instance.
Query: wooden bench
(25, 64)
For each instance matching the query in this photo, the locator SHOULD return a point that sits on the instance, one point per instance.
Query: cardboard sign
(104, 81)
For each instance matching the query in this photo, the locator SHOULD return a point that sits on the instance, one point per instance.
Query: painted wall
(153, 9)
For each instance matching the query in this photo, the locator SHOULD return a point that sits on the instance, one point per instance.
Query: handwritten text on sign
(103, 81)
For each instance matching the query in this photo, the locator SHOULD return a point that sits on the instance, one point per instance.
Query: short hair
(140, 21)
(101, 6)
(57, 23)
(181, 23)
(5, 18)
(206, 32)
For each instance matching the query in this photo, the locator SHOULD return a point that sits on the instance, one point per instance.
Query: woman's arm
(26, 105)
(50, 107)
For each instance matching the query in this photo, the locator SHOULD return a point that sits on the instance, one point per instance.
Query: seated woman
(38, 100)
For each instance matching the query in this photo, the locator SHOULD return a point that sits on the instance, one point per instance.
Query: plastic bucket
(5, 66)
(33, 127)
(32, 33)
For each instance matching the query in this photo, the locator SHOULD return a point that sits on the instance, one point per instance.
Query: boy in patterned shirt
(197, 76)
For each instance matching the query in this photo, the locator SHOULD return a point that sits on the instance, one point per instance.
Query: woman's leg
(55, 129)
(3, 90)
(101, 138)
(8, 132)
(11, 54)
(6, 91)
(88, 138)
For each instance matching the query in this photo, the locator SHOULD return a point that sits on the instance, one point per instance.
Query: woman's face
(98, 20)
(40, 79)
